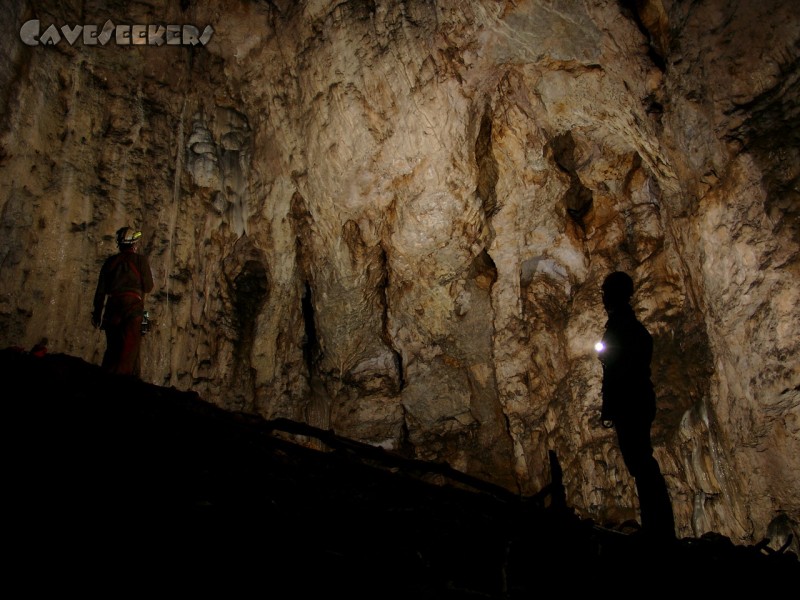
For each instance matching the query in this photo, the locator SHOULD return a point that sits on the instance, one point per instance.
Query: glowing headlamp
(599, 346)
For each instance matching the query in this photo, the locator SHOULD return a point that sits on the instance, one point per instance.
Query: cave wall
(392, 219)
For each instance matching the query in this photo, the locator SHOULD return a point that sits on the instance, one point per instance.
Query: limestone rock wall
(391, 218)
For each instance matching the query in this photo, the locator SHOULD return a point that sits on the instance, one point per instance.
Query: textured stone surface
(391, 219)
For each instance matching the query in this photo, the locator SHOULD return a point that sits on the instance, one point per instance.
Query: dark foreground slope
(115, 486)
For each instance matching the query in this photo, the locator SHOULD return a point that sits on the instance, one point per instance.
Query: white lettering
(29, 32)
(50, 37)
(173, 35)
(71, 33)
(207, 33)
(155, 35)
(123, 35)
(90, 35)
(139, 34)
(190, 35)
(105, 35)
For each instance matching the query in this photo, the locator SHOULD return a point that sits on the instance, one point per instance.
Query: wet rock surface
(115, 482)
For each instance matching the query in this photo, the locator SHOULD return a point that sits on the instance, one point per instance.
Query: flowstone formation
(391, 219)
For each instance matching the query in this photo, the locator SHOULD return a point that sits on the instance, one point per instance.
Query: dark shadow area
(114, 484)
(310, 341)
(578, 199)
(486, 188)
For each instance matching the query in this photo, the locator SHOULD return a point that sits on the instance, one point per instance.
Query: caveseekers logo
(122, 35)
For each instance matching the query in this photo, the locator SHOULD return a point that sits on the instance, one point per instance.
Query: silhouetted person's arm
(99, 298)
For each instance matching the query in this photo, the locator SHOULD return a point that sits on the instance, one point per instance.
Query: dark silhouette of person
(629, 402)
(124, 280)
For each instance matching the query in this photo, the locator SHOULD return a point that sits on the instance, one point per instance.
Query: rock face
(391, 219)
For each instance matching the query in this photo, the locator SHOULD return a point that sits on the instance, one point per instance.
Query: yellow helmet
(127, 236)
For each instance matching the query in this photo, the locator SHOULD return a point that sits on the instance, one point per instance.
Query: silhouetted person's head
(617, 290)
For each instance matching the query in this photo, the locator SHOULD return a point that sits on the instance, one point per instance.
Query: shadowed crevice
(578, 200)
(487, 166)
(311, 348)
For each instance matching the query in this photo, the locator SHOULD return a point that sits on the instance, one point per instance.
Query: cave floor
(118, 486)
